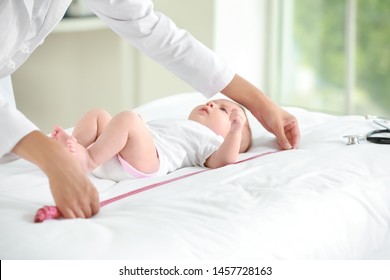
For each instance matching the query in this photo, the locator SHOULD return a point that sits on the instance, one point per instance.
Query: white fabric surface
(325, 200)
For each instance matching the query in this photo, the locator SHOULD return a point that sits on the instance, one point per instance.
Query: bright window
(334, 55)
(323, 55)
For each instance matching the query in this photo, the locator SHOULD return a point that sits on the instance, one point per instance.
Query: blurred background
(323, 55)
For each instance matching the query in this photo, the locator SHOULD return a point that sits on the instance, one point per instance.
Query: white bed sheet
(325, 200)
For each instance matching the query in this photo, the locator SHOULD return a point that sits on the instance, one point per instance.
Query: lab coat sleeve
(13, 124)
(158, 37)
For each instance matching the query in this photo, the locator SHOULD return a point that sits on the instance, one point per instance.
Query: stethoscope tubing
(377, 139)
(378, 122)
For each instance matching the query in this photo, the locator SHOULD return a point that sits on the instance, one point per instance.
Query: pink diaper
(134, 172)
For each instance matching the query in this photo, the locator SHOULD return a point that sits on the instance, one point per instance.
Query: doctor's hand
(73, 192)
(279, 122)
(276, 120)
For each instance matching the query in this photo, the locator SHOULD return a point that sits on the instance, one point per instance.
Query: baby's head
(215, 115)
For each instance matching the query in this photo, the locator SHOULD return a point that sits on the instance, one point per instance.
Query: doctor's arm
(276, 120)
(74, 194)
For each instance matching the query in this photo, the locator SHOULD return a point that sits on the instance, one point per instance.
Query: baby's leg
(127, 135)
(90, 126)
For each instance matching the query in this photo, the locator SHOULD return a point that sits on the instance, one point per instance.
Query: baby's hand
(237, 120)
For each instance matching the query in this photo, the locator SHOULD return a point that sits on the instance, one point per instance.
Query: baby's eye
(224, 110)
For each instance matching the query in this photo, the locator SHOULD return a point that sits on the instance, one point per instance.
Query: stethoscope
(376, 136)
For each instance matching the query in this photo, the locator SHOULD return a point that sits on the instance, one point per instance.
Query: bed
(325, 200)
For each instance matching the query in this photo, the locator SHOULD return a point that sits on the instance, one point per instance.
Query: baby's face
(215, 115)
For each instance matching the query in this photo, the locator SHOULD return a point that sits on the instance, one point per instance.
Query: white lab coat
(25, 23)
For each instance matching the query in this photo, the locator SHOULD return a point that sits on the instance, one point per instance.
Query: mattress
(325, 200)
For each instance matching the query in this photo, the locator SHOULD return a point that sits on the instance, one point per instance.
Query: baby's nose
(211, 104)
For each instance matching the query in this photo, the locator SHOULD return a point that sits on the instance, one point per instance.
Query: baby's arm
(228, 152)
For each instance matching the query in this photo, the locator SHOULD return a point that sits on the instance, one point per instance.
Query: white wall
(240, 36)
(195, 16)
(69, 74)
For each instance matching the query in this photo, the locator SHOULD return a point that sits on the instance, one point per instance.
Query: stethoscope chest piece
(353, 139)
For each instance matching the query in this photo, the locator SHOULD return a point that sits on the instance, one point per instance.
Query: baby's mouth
(204, 109)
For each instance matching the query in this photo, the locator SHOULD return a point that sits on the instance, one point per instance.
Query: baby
(212, 136)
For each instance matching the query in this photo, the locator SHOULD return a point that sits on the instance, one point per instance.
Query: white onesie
(179, 143)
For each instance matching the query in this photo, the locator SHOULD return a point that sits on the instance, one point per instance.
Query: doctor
(24, 24)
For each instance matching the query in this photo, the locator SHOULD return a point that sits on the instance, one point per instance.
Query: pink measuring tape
(52, 212)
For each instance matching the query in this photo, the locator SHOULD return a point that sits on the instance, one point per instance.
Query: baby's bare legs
(90, 126)
(87, 129)
(125, 134)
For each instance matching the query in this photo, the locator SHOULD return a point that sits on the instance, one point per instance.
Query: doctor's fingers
(88, 210)
(281, 136)
(91, 208)
(95, 207)
(74, 213)
(288, 136)
(293, 134)
(78, 211)
(87, 204)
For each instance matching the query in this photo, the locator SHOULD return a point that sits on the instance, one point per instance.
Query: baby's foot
(60, 135)
(80, 153)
